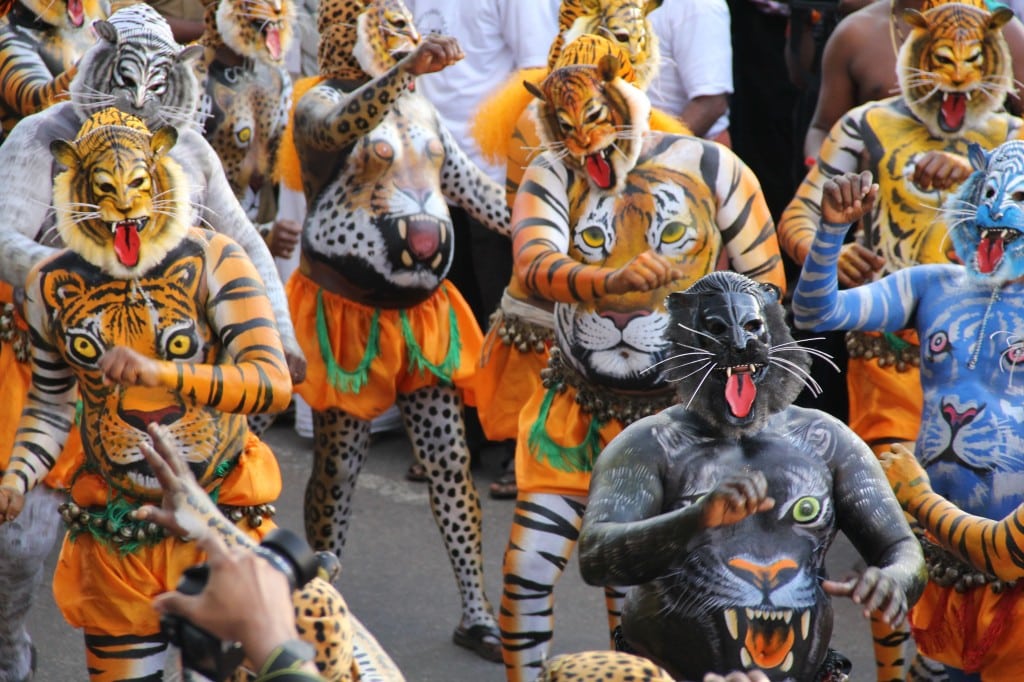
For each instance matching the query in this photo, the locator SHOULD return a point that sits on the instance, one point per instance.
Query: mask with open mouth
(955, 67)
(260, 30)
(122, 202)
(734, 360)
(987, 214)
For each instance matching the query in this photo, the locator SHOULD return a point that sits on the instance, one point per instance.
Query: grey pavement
(396, 577)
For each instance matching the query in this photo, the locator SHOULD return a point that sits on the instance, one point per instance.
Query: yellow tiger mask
(955, 66)
(122, 202)
(260, 30)
(593, 118)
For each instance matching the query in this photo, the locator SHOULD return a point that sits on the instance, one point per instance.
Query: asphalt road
(397, 580)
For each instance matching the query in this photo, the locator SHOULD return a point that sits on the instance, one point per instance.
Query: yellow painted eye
(673, 232)
(806, 509)
(245, 134)
(180, 345)
(84, 348)
(593, 237)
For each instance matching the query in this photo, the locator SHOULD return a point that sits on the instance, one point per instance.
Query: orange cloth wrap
(504, 381)
(109, 593)
(973, 631)
(567, 425)
(885, 405)
(390, 373)
(17, 379)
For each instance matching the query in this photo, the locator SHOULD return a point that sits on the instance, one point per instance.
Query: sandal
(504, 487)
(417, 473)
(482, 639)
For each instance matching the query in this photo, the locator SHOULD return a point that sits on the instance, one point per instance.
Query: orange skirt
(379, 353)
(505, 380)
(560, 461)
(974, 631)
(885, 405)
(17, 379)
(107, 592)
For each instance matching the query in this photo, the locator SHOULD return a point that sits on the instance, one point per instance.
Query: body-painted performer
(380, 322)
(969, 319)
(522, 329)
(136, 65)
(247, 95)
(40, 43)
(719, 511)
(605, 222)
(954, 72)
(152, 322)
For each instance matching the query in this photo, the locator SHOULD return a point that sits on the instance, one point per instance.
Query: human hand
(857, 264)
(185, 508)
(738, 676)
(940, 170)
(736, 497)
(296, 361)
(645, 272)
(874, 590)
(906, 475)
(245, 600)
(12, 501)
(434, 53)
(125, 366)
(283, 237)
(846, 198)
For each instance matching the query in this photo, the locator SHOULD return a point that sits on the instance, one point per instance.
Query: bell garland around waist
(889, 349)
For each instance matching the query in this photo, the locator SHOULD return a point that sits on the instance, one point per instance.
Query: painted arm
(540, 246)
(254, 378)
(748, 231)
(839, 154)
(25, 169)
(49, 412)
(464, 184)
(26, 84)
(886, 305)
(870, 516)
(625, 539)
(989, 545)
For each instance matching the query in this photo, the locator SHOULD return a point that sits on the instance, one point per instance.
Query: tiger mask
(121, 202)
(955, 67)
(260, 30)
(594, 119)
(362, 39)
(68, 14)
(732, 345)
(987, 214)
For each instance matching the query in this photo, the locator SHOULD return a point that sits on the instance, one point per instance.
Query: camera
(207, 655)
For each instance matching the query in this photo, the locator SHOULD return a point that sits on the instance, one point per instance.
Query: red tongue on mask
(273, 41)
(740, 392)
(75, 12)
(954, 107)
(126, 244)
(600, 170)
(990, 252)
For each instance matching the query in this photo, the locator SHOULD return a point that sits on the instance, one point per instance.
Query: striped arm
(26, 84)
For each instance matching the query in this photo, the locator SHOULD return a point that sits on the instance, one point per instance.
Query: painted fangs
(731, 622)
(787, 663)
(805, 623)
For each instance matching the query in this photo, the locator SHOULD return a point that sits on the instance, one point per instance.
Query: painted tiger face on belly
(615, 340)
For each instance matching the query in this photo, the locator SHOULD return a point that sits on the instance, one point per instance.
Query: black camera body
(207, 655)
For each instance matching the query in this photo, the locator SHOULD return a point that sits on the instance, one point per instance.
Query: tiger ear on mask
(162, 140)
(534, 90)
(64, 152)
(104, 30)
(608, 68)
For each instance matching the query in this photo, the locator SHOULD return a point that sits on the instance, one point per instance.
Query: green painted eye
(806, 509)
(593, 237)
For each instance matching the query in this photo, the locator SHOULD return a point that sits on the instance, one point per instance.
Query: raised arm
(26, 84)
(818, 305)
(989, 545)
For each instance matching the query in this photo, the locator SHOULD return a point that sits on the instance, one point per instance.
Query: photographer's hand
(245, 600)
(186, 510)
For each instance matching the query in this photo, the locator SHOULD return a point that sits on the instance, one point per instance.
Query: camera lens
(291, 555)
